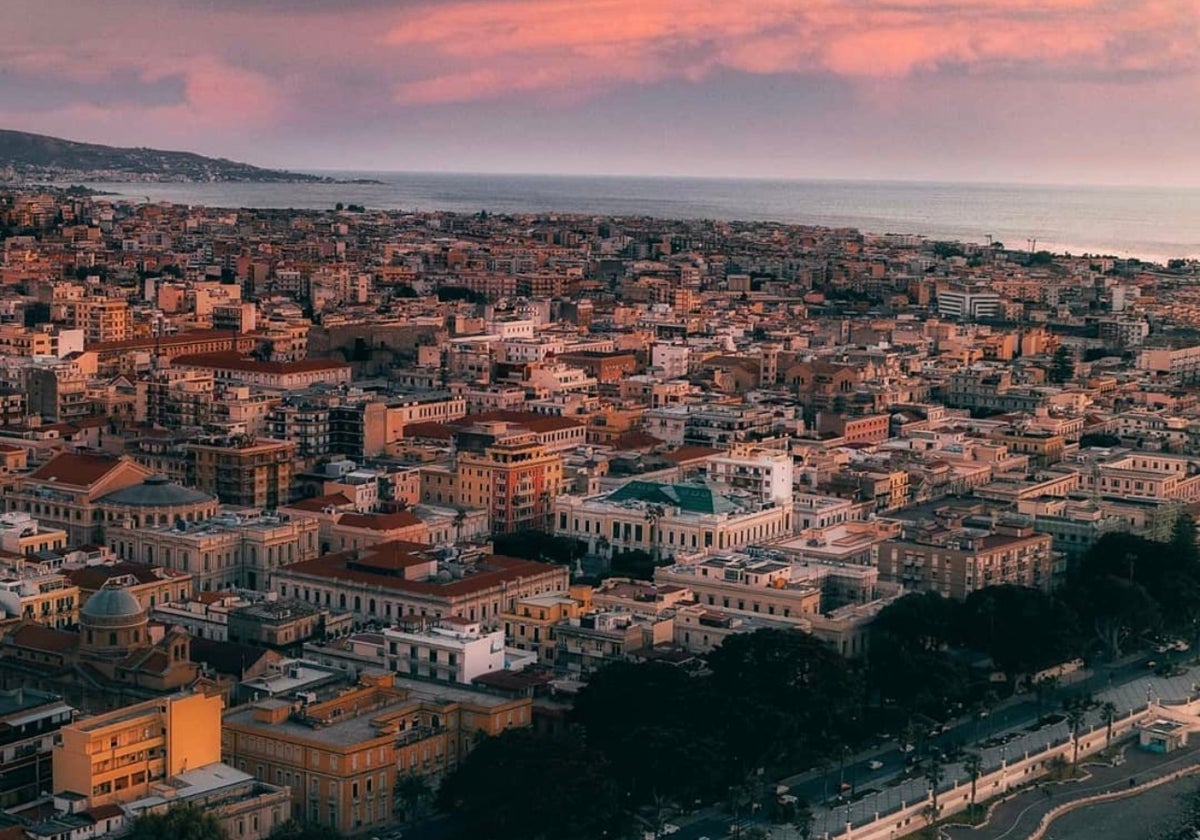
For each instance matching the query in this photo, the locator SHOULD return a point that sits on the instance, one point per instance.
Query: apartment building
(341, 757)
(530, 624)
(36, 591)
(1181, 364)
(448, 650)
(513, 477)
(29, 723)
(956, 561)
(118, 757)
(588, 642)
(243, 470)
(765, 473)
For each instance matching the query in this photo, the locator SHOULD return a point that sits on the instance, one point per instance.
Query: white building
(968, 305)
(451, 650)
(766, 473)
(672, 359)
(670, 519)
(206, 617)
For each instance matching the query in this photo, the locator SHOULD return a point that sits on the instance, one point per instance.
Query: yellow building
(341, 757)
(35, 592)
(529, 625)
(117, 757)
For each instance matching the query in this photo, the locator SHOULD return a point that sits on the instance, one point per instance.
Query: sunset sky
(1054, 91)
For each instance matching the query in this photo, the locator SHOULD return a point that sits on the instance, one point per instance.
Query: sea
(1154, 224)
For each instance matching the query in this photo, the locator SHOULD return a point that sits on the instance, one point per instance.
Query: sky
(1040, 91)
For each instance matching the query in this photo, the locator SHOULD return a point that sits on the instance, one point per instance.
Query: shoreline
(968, 214)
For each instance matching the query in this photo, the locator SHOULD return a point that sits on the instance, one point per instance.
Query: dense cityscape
(376, 523)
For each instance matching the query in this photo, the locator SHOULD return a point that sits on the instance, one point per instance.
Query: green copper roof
(693, 498)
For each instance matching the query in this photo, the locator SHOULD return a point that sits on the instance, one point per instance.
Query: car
(1152, 664)
(670, 828)
(876, 764)
(907, 748)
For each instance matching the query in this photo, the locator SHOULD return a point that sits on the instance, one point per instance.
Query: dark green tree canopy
(180, 822)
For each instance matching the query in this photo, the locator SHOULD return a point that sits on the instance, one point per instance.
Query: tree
(294, 830)
(500, 790)
(1076, 714)
(794, 678)
(1062, 365)
(649, 722)
(411, 794)
(179, 822)
(1022, 629)
(973, 765)
(1109, 713)
(460, 516)
(653, 514)
(934, 773)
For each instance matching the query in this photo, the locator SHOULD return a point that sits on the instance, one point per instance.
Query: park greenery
(646, 735)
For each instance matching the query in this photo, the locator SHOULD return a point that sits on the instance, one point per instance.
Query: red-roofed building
(386, 582)
(65, 492)
(236, 369)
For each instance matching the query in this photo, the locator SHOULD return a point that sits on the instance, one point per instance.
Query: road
(1128, 686)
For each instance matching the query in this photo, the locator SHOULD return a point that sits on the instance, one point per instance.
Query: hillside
(36, 157)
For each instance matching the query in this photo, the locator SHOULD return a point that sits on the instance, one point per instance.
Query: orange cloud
(487, 48)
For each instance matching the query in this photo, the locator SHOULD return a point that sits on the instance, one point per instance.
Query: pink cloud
(486, 48)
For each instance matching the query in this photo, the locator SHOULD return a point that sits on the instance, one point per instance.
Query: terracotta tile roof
(528, 419)
(75, 469)
(379, 521)
(232, 360)
(92, 578)
(689, 453)
(105, 812)
(433, 431)
(4, 447)
(631, 441)
(37, 637)
(163, 342)
(379, 566)
(537, 423)
(319, 503)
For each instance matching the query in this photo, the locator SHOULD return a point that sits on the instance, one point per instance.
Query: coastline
(1148, 225)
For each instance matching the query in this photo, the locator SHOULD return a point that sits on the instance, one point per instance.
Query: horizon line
(746, 178)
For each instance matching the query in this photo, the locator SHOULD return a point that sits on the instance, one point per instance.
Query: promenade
(1019, 816)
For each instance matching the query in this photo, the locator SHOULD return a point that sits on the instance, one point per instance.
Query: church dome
(155, 491)
(112, 604)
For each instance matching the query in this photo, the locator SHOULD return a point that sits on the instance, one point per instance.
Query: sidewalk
(1016, 818)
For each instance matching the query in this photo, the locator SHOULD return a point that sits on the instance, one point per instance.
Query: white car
(875, 765)
(669, 828)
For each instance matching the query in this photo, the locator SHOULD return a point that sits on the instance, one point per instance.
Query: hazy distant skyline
(1049, 91)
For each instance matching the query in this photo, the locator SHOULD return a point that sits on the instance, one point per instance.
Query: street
(1129, 686)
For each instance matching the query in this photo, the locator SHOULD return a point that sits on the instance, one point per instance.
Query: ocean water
(1148, 223)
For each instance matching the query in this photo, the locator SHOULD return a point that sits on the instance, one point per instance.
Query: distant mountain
(36, 157)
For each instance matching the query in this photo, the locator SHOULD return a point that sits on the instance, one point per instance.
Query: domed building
(112, 623)
(156, 501)
(116, 645)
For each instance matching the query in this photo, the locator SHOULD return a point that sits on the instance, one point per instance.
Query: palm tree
(460, 516)
(1075, 718)
(411, 793)
(653, 514)
(934, 774)
(1109, 711)
(973, 764)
